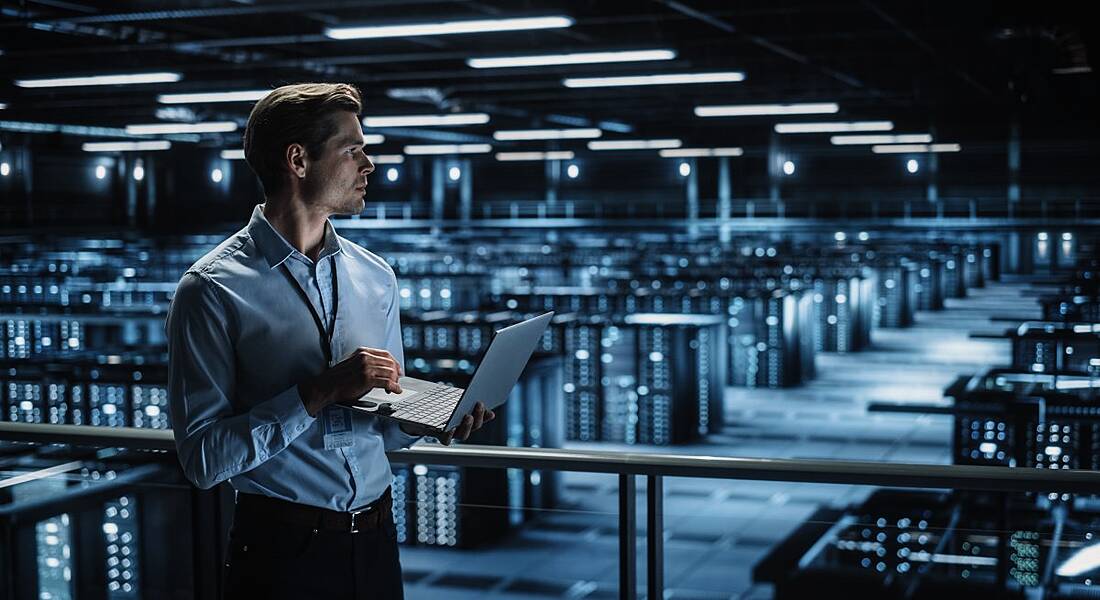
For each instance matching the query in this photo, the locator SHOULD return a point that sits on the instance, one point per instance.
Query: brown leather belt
(370, 517)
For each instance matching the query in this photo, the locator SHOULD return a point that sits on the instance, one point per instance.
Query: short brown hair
(299, 113)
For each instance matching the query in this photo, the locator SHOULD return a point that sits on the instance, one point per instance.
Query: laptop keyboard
(432, 407)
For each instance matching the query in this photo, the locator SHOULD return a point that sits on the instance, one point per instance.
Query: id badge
(338, 428)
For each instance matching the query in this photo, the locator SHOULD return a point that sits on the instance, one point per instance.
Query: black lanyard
(326, 332)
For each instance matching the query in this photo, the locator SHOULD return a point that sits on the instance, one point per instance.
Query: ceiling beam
(925, 46)
(845, 78)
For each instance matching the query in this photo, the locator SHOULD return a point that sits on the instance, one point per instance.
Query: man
(268, 335)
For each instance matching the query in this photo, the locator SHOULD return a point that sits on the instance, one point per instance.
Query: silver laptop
(441, 407)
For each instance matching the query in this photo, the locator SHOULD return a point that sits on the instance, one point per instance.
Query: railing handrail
(905, 475)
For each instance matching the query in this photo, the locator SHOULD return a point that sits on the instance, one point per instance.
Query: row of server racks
(648, 335)
(1039, 412)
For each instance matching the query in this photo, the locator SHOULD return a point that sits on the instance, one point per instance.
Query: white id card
(339, 432)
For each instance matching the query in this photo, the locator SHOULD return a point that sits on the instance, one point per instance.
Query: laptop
(441, 407)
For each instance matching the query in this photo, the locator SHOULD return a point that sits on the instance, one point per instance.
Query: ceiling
(960, 69)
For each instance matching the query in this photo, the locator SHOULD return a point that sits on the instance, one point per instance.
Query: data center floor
(715, 531)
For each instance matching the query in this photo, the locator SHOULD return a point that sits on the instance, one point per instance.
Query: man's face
(336, 181)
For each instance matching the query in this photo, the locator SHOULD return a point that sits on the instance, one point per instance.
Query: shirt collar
(274, 246)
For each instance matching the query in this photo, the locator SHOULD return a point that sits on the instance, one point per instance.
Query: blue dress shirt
(250, 321)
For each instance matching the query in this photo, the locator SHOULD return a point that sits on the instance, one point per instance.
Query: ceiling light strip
(668, 79)
(751, 110)
(426, 120)
(547, 134)
(700, 152)
(904, 138)
(522, 156)
(576, 58)
(448, 149)
(114, 79)
(838, 127)
(144, 146)
(634, 144)
(448, 27)
(163, 128)
(915, 148)
(205, 97)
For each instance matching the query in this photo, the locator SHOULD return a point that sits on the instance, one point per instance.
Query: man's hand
(470, 423)
(351, 378)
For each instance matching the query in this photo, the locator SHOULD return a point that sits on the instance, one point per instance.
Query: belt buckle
(355, 521)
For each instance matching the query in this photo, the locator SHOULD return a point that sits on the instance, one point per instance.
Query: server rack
(467, 507)
(1053, 347)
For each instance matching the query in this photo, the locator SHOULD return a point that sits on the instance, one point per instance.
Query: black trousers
(272, 560)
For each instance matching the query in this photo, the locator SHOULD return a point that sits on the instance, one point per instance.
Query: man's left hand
(470, 423)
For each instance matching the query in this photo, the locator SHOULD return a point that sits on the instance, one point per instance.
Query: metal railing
(627, 465)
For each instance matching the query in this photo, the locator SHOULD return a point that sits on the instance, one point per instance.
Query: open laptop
(441, 407)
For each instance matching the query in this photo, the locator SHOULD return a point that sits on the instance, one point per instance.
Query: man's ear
(296, 160)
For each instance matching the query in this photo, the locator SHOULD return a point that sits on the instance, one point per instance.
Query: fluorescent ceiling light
(834, 127)
(1072, 70)
(82, 130)
(749, 110)
(3, 105)
(387, 159)
(557, 155)
(615, 126)
(905, 138)
(118, 79)
(634, 144)
(669, 79)
(577, 58)
(161, 128)
(373, 139)
(426, 120)
(547, 134)
(906, 148)
(448, 149)
(241, 96)
(232, 154)
(126, 146)
(447, 27)
(700, 152)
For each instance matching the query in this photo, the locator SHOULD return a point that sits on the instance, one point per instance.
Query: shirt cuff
(402, 439)
(291, 413)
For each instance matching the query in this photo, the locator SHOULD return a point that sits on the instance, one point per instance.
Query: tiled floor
(715, 531)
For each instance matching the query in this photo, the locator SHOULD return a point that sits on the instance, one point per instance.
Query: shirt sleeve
(213, 440)
(392, 435)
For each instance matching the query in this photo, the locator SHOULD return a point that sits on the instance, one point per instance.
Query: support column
(465, 191)
(775, 170)
(23, 161)
(415, 178)
(438, 191)
(1014, 166)
(129, 209)
(553, 181)
(933, 190)
(724, 199)
(693, 199)
(150, 207)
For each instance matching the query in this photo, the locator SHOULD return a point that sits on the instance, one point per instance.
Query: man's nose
(368, 167)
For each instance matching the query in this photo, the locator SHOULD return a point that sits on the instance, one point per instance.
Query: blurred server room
(825, 278)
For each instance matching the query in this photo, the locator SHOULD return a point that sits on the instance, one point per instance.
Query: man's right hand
(351, 378)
